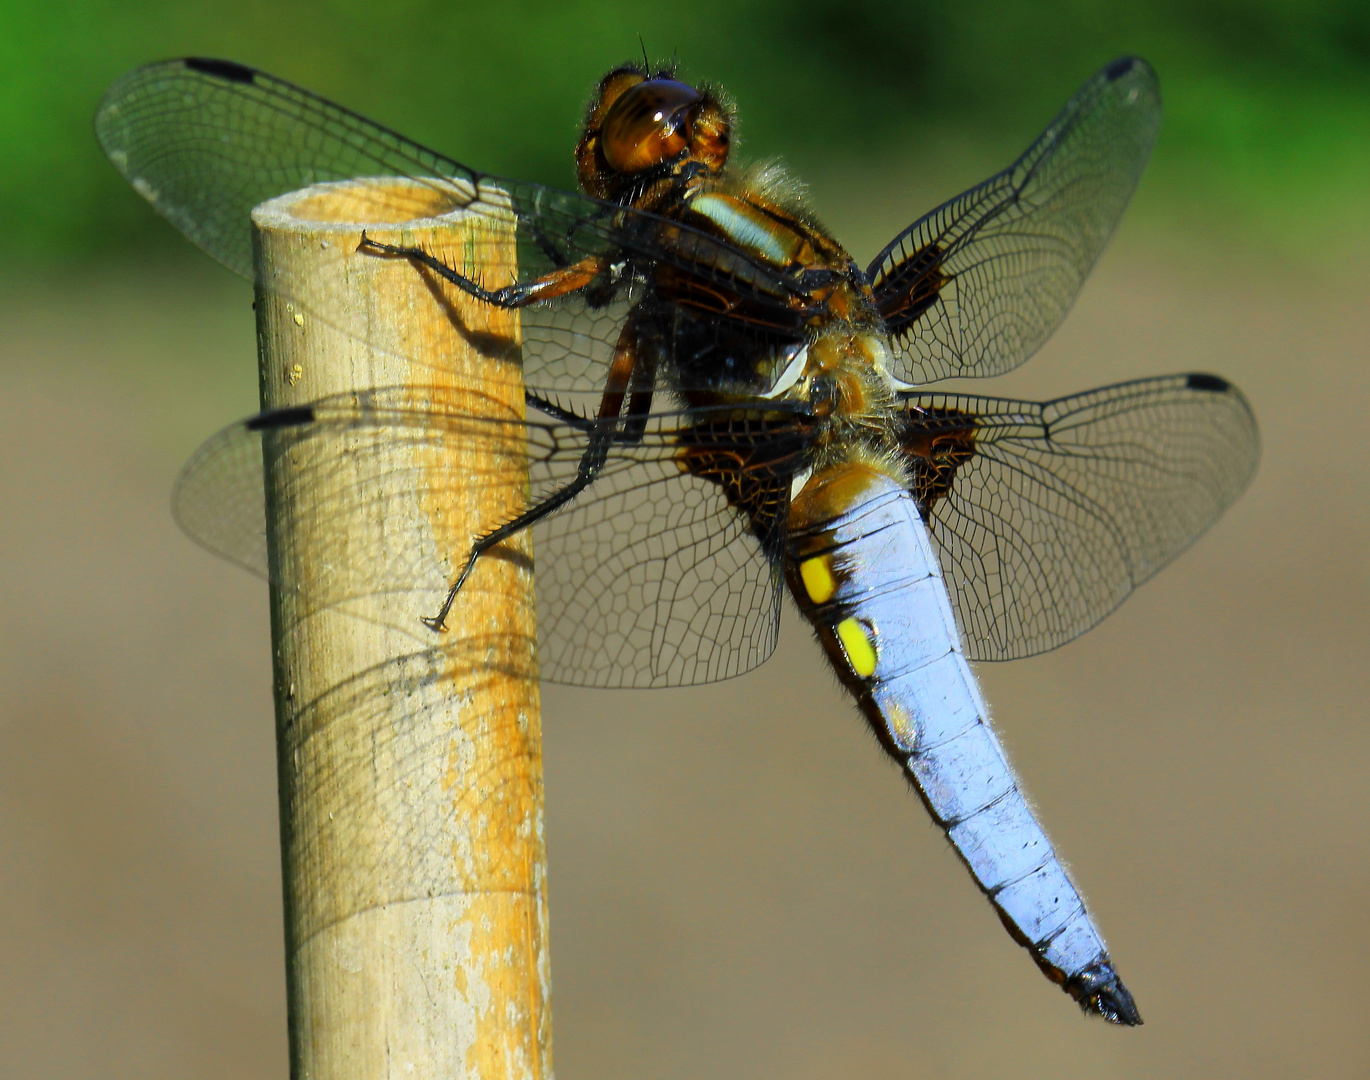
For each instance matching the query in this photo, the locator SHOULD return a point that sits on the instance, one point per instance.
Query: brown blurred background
(741, 884)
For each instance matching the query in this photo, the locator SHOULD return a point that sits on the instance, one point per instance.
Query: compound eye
(648, 124)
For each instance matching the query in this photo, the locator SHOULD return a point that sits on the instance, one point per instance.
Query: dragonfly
(753, 413)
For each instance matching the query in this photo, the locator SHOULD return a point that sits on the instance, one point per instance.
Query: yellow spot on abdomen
(859, 647)
(817, 577)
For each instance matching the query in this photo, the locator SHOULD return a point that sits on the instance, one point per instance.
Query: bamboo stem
(409, 763)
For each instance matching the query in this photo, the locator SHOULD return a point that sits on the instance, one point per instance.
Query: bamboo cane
(410, 763)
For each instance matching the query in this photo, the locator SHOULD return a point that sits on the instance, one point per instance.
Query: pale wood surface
(410, 762)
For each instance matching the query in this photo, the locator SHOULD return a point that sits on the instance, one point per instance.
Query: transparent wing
(975, 287)
(205, 141)
(1046, 516)
(664, 573)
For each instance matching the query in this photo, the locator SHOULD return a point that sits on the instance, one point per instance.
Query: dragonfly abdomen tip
(1099, 990)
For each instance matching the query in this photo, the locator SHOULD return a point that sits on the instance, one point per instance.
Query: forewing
(652, 577)
(975, 287)
(1046, 516)
(205, 141)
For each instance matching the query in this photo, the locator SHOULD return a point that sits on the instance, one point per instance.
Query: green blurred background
(741, 885)
(1267, 101)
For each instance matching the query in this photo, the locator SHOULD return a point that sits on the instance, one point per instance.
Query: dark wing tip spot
(293, 416)
(224, 69)
(1215, 384)
(1119, 68)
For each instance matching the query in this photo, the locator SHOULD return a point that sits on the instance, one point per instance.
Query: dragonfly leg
(590, 464)
(623, 376)
(630, 433)
(559, 282)
(559, 412)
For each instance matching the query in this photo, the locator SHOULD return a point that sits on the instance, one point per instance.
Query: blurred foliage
(1266, 139)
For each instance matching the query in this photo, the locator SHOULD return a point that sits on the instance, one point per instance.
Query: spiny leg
(629, 434)
(590, 464)
(559, 282)
(602, 436)
(558, 411)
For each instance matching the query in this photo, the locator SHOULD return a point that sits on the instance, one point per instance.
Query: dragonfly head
(640, 125)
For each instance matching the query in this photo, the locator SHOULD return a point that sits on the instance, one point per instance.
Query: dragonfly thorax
(841, 374)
